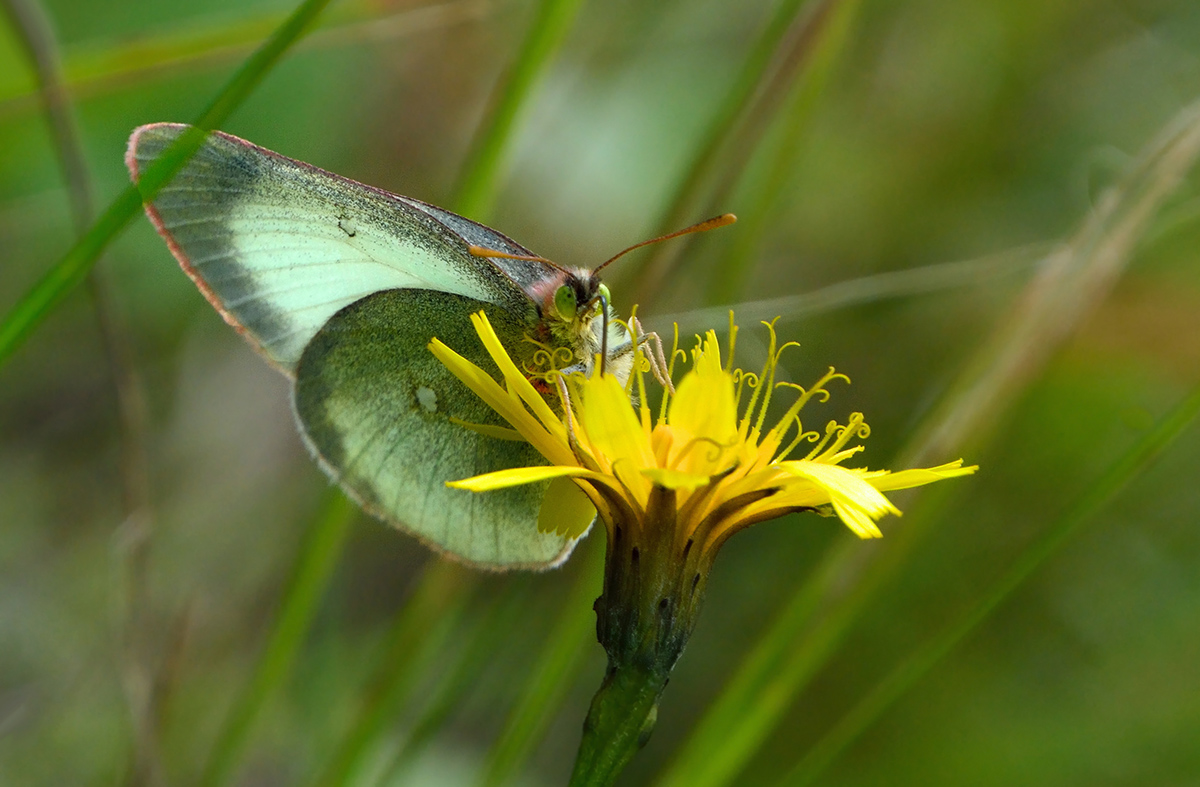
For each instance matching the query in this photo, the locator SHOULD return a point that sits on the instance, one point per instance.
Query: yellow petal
(611, 426)
(704, 404)
(905, 479)
(490, 430)
(856, 502)
(517, 382)
(551, 445)
(856, 519)
(566, 510)
(517, 476)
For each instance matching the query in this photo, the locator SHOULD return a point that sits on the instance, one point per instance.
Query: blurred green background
(963, 141)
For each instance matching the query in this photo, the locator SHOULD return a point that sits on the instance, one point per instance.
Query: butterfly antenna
(484, 251)
(723, 220)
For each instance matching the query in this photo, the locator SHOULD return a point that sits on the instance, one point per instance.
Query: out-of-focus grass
(94, 68)
(73, 266)
(945, 132)
(906, 674)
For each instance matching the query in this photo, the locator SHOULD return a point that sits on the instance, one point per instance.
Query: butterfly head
(578, 295)
(570, 304)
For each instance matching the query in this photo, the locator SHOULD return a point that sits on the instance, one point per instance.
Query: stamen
(768, 373)
(712, 457)
(801, 436)
(853, 428)
(762, 413)
(547, 360)
(733, 329)
(806, 395)
(634, 328)
(830, 428)
(666, 397)
(739, 386)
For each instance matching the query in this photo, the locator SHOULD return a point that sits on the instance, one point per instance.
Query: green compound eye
(564, 302)
(605, 294)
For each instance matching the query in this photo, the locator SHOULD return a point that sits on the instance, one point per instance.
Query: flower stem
(619, 723)
(652, 595)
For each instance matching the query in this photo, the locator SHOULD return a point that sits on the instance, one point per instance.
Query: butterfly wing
(279, 246)
(341, 286)
(376, 407)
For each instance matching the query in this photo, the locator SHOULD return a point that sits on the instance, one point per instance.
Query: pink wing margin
(131, 163)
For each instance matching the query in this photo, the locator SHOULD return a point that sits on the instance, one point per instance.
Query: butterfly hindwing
(375, 407)
(279, 246)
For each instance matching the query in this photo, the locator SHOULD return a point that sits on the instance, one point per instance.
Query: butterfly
(341, 286)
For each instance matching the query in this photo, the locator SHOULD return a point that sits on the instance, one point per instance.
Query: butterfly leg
(652, 347)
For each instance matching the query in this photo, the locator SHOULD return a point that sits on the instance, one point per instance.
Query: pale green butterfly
(341, 286)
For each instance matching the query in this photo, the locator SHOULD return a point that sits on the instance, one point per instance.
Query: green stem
(619, 723)
(653, 587)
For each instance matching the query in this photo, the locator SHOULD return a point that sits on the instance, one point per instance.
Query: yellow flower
(725, 470)
(670, 490)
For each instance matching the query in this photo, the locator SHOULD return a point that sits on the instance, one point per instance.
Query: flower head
(709, 445)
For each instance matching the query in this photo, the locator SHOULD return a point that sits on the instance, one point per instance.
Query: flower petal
(905, 479)
(517, 382)
(566, 510)
(610, 424)
(550, 444)
(517, 476)
(704, 405)
(856, 502)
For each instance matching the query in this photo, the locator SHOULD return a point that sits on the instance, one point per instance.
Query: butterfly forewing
(279, 246)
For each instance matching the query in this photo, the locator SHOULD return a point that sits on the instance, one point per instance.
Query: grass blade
(775, 62)
(144, 684)
(856, 722)
(93, 68)
(476, 190)
(551, 676)
(318, 558)
(72, 268)
(731, 275)
(822, 609)
(906, 283)
(34, 32)
(496, 624)
(421, 628)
